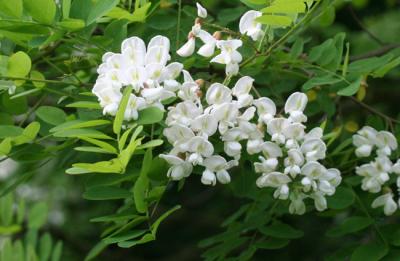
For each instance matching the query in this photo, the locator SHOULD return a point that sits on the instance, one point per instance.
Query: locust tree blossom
(289, 163)
(249, 26)
(377, 172)
(201, 11)
(146, 70)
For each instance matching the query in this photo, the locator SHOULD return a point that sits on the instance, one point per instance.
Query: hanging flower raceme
(146, 69)
(229, 55)
(289, 159)
(377, 173)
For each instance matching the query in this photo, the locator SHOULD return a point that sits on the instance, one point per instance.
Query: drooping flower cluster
(289, 156)
(289, 160)
(228, 48)
(145, 69)
(380, 144)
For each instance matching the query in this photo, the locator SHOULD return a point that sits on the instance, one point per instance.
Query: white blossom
(201, 11)
(249, 26)
(387, 202)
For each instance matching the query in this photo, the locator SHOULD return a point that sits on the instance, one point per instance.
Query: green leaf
(370, 252)
(150, 144)
(11, 8)
(285, 8)
(111, 166)
(51, 115)
(119, 118)
(370, 64)
(275, 20)
(101, 144)
(146, 238)
(19, 65)
(142, 183)
(91, 10)
(125, 236)
(272, 243)
(297, 48)
(6, 250)
(343, 198)
(6, 210)
(281, 230)
(5, 146)
(45, 245)
(72, 24)
(66, 7)
(38, 215)
(10, 131)
(28, 134)
(85, 104)
(106, 193)
(318, 81)
(42, 11)
(150, 115)
(78, 124)
(36, 75)
(57, 251)
(346, 60)
(75, 133)
(156, 224)
(95, 251)
(386, 68)
(352, 88)
(350, 225)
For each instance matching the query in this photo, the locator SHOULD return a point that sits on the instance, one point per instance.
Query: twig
(369, 108)
(378, 52)
(363, 27)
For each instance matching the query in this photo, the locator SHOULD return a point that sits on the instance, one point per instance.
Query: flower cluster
(289, 160)
(230, 115)
(145, 69)
(228, 48)
(376, 173)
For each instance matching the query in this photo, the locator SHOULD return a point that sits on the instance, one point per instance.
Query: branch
(377, 52)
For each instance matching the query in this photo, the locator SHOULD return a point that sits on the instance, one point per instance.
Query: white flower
(319, 201)
(295, 106)
(266, 109)
(229, 53)
(201, 11)
(208, 49)
(315, 133)
(293, 162)
(134, 105)
(373, 178)
(188, 48)
(249, 26)
(314, 149)
(205, 124)
(276, 128)
(178, 134)
(396, 167)
(312, 171)
(179, 168)
(189, 91)
(297, 205)
(218, 166)
(329, 181)
(386, 142)
(208, 178)
(218, 93)
(387, 202)
(364, 140)
(200, 148)
(184, 113)
(227, 114)
(231, 138)
(273, 180)
(242, 89)
(109, 99)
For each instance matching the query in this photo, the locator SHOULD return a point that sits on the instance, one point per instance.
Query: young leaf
(119, 118)
(350, 225)
(150, 115)
(275, 20)
(51, 115)
(352, 88)
(142, 183)
(42, 11)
